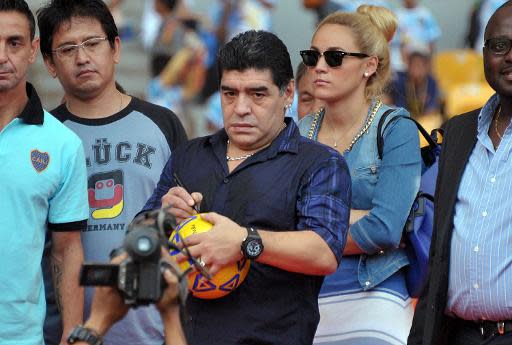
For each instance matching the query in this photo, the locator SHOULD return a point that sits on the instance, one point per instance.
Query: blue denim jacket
(386, 187)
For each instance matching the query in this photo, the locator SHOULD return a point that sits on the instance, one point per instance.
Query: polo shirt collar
(33, 113)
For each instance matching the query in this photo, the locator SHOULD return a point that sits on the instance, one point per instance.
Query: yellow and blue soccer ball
(222, 283)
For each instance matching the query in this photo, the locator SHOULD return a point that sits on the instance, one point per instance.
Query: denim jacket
(386, 187)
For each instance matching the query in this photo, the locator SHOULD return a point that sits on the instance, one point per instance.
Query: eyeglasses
(498, 45)
(333, 58)
(90, 46)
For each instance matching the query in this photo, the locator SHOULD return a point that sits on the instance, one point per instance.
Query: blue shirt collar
(487, 113)
(484, 121)
(286, 141)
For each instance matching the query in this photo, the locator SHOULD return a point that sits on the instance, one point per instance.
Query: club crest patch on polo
(40, 160)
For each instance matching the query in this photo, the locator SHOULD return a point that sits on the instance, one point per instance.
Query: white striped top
(480, 280)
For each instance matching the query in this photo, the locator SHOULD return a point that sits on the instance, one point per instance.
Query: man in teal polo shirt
(43, 187)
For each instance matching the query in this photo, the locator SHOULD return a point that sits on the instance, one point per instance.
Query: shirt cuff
(335, 244)
(70, 226)
(363, 239)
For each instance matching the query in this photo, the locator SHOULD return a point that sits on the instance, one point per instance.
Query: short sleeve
(69, 206)
(433, 29)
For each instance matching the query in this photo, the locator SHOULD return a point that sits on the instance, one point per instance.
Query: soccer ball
(222, 283)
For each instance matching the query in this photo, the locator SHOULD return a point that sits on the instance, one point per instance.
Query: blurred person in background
(116, 8)
(485, 11)
(352, 5)
(416, 26)
(127, 143)
(177, 25)
(416, 89)
(366, 301)
(151, 22)
(229, 18)
(178, 60)
(473, 29)
(306, 101)
(324, 7)
(234, 17)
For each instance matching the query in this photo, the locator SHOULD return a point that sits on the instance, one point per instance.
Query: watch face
(254, 248)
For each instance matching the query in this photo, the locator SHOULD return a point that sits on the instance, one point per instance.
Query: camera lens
(144, 244)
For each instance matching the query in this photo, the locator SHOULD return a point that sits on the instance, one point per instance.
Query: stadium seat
(462, 98)
(452, 67)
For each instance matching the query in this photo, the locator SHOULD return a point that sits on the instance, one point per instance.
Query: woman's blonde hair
(373, 27)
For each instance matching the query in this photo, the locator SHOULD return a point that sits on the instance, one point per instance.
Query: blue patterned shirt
(294, 184)
(322, 201)
(480, 282)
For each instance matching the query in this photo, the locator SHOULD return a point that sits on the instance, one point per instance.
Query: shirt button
(493, 179)
(226, 180)
(475, 285)
(484, 213)
(367, 283)
(381, 252)
(476, 249)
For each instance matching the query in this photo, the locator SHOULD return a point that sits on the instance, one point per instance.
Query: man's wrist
(97, 325)
(84, 335)
(171, 313)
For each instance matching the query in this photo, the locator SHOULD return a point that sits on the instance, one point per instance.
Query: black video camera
(139, 276)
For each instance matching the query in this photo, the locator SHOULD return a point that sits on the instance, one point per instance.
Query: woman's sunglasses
(333, 58)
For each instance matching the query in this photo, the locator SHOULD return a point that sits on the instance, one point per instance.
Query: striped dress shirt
(480, 280)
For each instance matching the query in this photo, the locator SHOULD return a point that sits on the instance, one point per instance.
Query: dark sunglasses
(498, 45)
(333, 58)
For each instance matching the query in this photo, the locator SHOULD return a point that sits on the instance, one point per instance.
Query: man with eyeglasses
(468, 299)
(43, 191)
(127, 143)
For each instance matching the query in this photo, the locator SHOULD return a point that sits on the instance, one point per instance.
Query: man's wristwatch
(252, 246)
(80, 333)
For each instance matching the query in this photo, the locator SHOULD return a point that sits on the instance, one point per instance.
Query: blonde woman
(366, 300)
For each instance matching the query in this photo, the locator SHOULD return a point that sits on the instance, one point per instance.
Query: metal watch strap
(81, 333)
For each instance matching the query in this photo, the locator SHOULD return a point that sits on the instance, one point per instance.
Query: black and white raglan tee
(125, 155)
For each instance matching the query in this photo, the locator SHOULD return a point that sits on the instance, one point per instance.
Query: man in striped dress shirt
(468, 299)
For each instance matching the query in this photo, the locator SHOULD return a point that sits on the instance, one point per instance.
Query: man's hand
(181, 203)
(168, 305)
(107, 306)
(66, 260)
(218, 247)
(170, 295)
